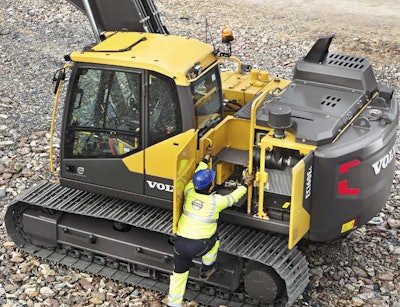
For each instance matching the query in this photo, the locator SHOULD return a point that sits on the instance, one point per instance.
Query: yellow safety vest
(201, 212)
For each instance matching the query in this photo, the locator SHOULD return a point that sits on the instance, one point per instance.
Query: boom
(122, 15)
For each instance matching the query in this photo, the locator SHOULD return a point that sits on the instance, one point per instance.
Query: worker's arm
(201, 166)
(225, 201)
(204, 163)
(232, 198)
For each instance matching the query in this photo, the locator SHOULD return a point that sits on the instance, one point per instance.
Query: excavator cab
(132, 99)
(123, 126)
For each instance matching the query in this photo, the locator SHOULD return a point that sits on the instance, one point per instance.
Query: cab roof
(169, 55)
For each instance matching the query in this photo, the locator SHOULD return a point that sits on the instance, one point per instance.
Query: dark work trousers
(186, 250)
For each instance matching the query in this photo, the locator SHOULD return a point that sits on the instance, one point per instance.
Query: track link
(251, 244)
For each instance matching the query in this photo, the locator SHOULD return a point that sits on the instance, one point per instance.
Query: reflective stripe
(188, 191)
(198, 218)
(211, 256)
(175, 300)
(213, 207)
(208, 260)
(231, 200)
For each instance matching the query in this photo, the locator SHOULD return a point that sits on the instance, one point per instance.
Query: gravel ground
(361, 270)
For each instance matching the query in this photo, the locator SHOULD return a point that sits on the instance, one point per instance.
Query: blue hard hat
(202, 179)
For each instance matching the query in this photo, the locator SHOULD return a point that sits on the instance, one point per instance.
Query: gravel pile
(361, 270)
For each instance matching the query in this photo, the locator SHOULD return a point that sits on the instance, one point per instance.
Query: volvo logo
(197, 204)
(80, 170)
(383, 162)
(160, 186)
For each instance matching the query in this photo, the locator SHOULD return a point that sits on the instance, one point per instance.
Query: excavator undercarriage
(131, 243)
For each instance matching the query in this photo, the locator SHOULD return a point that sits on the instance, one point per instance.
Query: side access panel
(300, 219)
(184, 165)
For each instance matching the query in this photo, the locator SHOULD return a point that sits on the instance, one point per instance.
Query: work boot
(205, 274)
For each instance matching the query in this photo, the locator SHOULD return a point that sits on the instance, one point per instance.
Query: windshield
(207, 97)
(104, 118)
(110, 116)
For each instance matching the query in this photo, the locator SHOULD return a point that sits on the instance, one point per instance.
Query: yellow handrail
(263, 179)
(53, 119)
(254, 108)
(232, 59)
(355, 117)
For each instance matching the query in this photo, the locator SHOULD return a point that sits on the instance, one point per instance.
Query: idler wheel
(263, 284)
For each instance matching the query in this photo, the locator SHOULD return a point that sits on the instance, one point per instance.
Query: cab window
(164, 111)
(207, 98)
(104, 115)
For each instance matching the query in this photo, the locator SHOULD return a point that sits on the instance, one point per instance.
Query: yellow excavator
(142, 106)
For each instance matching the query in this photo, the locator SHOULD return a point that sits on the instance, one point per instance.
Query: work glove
(248, 179)
(209, 150)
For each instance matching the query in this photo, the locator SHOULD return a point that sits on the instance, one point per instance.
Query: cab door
(184, 166)
(302, 175)
(163, 134)
(103, 130)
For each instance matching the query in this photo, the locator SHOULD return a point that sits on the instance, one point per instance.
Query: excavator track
(250, 244)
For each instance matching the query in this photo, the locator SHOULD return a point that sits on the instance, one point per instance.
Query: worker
(197, 227)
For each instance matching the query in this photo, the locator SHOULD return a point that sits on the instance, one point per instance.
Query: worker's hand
(209, 149)
(248, 179)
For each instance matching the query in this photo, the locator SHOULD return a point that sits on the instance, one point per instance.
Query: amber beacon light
(227, 35)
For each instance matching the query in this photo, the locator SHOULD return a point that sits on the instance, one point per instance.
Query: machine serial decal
(383, 162)
(160, 186)
(308, 182)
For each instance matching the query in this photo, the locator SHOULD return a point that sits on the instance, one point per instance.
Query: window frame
(203, 119)
(69, 130)
(175, 99)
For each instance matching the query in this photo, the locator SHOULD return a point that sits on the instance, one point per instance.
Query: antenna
(207, 35)
(207, 31)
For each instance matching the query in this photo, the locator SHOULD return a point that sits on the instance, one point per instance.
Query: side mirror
(57, 78)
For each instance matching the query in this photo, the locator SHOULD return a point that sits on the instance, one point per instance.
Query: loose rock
(360, 270)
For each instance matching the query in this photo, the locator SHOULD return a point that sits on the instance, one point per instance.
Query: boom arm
(122, 15)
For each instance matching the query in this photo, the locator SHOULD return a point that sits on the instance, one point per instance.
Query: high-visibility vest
(201, 212)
